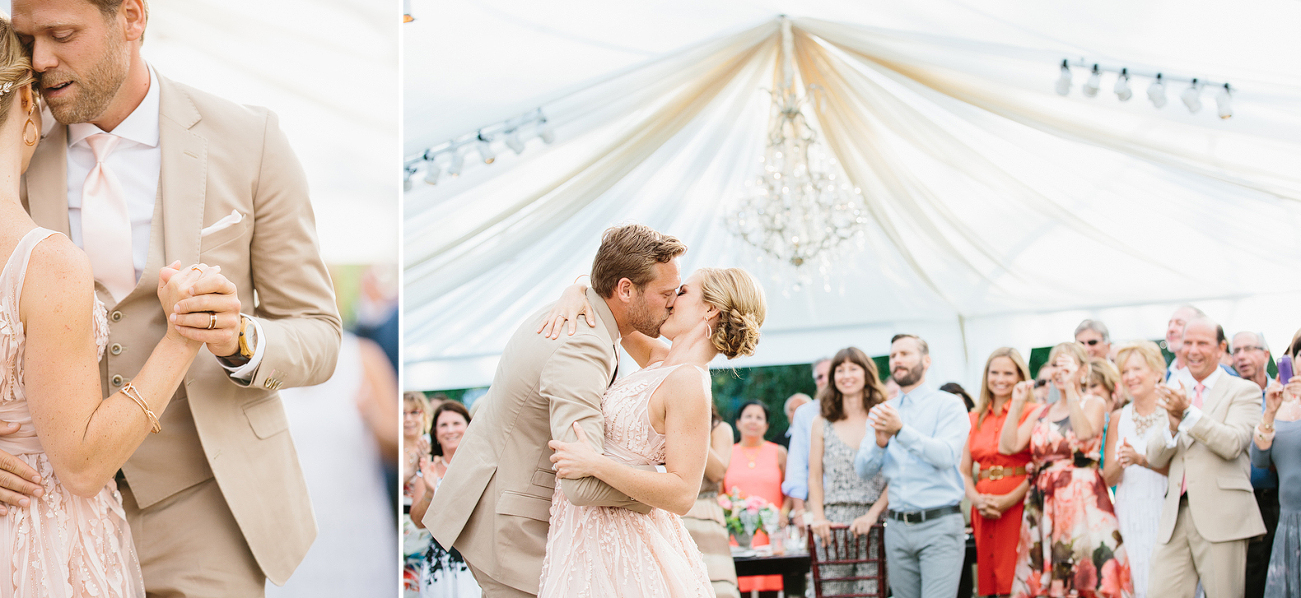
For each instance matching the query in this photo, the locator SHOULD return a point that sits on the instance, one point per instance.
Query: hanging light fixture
(456, 164)
(1192, 97)
(513, 141)
(408, 173)
(1064, 81)
(1156, 92)
(485, 150)
(406, 11)
(1094, 83)
(545, 132)
(432, 170)
(1222, 102)
(1123, 92)
(800, 206)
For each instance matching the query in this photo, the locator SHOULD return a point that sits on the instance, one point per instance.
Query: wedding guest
(997, 484)
(1070, 544)
(1140, 488)
(416, 423)
(918, 444)
(1206, 524)
(437, 399)
(1095, 338)
(796, 482)
(956, 389)
(706, 521)
(1277, 443)
(443, 573)
(1174, 335)
(793, 402)
(1250, 358)
(757, 467)
(1044, 392)
(1104, 383)
(211, 181)
(836, 493)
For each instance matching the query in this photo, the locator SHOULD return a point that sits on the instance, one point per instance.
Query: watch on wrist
(247, 337)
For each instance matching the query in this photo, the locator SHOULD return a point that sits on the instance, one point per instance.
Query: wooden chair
(847, 549)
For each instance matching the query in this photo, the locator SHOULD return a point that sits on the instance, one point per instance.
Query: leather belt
(920, 516)
(999, 472)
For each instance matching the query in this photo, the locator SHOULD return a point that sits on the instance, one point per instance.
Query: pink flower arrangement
(745, 514)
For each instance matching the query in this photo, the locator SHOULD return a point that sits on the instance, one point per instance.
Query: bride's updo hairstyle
(741, 306)
(15, 67)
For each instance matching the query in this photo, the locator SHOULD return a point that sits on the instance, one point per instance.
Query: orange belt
(999, 472)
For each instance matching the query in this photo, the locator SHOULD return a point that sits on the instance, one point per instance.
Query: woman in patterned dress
(658, 415)
(836, 493)
(1070, 542)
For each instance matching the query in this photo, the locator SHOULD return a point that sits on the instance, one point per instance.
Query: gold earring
(34, 130)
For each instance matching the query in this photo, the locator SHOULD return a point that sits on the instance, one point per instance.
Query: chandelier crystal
(801, 206)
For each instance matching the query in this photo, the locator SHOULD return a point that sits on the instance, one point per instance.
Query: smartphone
(1284, 369)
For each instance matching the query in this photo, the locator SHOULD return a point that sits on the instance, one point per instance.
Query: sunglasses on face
(1091, 342)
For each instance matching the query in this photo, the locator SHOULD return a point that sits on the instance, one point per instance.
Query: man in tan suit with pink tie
(494, 503)
(1210, 511)
(144, 172)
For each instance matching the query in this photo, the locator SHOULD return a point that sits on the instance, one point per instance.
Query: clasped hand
(202, 306)
(884, 419)
(574, 460)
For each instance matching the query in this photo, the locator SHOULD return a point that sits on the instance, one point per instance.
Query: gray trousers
(925, 559)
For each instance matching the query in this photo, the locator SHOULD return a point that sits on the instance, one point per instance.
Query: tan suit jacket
(1214, 455)
(218, 156)
(494, 503)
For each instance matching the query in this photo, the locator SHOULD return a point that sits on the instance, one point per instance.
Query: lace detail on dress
(607, 551)
(61, 545)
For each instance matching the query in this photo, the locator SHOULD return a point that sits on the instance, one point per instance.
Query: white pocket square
(234, 218)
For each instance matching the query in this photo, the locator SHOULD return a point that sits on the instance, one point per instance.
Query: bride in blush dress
(659, 415)
(71, 537)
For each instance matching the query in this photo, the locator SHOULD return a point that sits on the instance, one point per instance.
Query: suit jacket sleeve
(1159, 449)
(1228, 439)
(295, 300)
(572, 382)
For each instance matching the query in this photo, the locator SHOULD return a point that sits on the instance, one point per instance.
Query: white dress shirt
(136, 162)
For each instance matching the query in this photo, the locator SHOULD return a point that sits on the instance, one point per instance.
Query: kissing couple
(144, 448)
(570, 480)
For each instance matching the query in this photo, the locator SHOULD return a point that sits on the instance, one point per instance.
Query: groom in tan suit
(216, 500)
(1210, 511)
(494, 503)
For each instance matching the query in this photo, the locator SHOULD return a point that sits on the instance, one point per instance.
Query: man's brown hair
(631, 251)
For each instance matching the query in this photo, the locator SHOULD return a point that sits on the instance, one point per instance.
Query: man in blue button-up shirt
(918, 443)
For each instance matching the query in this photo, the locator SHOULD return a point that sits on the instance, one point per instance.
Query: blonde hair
(418, 399)
(741, 309)
(985, 401)
(15, 67)
(1148, 351)
(1103, 372)
(1077, 353)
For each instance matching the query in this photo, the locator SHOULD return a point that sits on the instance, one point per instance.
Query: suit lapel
(1216, 401)
(183, 177)
(47, 181)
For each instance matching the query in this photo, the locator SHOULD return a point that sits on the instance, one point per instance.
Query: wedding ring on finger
(212, 320)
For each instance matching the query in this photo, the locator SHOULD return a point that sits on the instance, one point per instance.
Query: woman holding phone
(1277, 442)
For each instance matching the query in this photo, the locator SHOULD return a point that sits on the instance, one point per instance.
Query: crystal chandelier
(800, 207)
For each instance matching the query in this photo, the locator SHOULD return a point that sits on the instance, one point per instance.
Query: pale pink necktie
(1197, 402)
(105, 225)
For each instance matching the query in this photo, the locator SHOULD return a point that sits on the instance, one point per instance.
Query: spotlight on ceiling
(1192, 97)
(1094, 83)
(456, 164)
(1156, 92)
(485, 150)
(1064, 82)
(513, 141)
(1123, 92)
(1222, 102)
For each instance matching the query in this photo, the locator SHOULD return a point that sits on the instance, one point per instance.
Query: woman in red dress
(996, 483)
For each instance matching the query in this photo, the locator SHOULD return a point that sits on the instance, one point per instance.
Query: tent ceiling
(1000, 213)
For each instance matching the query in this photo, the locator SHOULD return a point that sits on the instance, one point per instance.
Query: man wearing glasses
(1095, 338)
(1250, 359)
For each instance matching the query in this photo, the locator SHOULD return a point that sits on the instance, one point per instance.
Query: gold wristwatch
(247, 337)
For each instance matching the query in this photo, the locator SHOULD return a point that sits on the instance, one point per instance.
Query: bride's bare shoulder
(58, 276)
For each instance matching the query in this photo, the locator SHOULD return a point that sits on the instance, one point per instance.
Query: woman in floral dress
(1070, 541)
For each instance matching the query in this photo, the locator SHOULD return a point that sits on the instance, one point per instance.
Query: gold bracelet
(134, 394)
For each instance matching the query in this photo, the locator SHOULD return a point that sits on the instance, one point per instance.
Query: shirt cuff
(1169, 438)
(245, 373)
(1191, 416)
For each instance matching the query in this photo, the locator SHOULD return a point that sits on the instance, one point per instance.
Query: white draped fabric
(998, 213)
